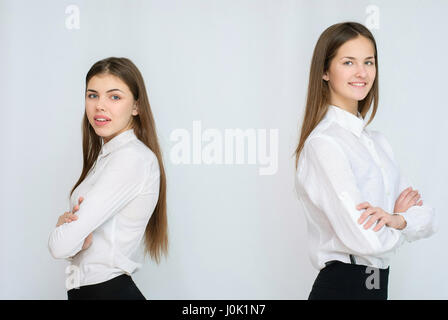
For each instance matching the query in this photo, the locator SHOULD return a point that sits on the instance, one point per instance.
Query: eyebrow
(106, 91)
(353, 58)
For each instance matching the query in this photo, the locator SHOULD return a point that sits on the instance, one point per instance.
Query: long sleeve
(120, 181)
(420, 220)
(329, 182)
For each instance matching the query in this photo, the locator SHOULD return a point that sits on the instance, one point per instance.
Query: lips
(358, 84)
(101, 117)
(101, 120)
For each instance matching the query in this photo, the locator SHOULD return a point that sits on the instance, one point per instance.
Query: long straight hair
(318, 97)
(156, 234)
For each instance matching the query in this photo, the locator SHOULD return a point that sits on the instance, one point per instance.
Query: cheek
(340, 77)
(91, 107)
(372, 74)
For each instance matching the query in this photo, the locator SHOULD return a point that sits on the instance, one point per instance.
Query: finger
(81, 199)
(363, 205)
(407, 202)
(420, 203)
(69, 215)
(410, 196)
(70, 219)
(405, 193)
(366, 214)
(379, 225)
(415, 198)
(371, 221)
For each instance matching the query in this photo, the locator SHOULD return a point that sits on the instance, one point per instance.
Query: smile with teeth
(358, 84)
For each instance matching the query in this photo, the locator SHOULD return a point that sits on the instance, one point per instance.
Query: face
(108, 97)
(351, 73)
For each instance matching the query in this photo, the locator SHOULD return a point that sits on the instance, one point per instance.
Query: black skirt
(118, 288)
(345, 281)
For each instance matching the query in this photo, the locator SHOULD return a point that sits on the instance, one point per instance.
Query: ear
(325, 76)
(135, 109)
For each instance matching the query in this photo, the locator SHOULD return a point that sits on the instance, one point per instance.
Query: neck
(350, 106)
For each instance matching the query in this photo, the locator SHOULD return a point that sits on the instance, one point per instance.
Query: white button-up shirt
(343, 164)
(120, 193)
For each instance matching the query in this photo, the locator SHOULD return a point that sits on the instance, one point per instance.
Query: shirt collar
(346, 119)
(116, 142)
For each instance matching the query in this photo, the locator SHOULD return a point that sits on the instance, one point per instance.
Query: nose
(361, 71)
(99, 106)
(101, 103)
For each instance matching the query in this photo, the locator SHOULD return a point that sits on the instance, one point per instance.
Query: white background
(231, 64)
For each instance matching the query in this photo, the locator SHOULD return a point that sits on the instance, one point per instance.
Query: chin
(101, 132)
(360, 98)
(357, 97)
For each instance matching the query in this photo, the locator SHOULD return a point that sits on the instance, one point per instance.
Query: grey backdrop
(234, 234)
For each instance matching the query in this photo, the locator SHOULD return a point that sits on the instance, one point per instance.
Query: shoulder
(136, 155)
(375, 134)
(324, 139)
(141, 150)
(146, 155)
(322, 149)
(323, 142)
(326, 132)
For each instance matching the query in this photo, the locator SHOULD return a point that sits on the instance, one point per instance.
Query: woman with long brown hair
(359, 208)
(120, 198)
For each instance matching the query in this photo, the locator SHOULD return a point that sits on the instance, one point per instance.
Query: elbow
(56, 252)
(59, 249)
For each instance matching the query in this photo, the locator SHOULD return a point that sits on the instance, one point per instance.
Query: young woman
(359, 208)
(120, 196)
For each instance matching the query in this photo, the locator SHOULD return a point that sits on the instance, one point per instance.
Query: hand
(407, 199)
(380, 216)
(68, 217)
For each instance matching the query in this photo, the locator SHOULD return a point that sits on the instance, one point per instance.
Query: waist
(356, 276)
(319, 258)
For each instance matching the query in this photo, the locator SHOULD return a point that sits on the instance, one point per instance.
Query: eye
(348, 63)
(370, 63)
(90, 96)
(115, 96)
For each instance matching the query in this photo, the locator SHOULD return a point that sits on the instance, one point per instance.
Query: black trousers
(118, 288)
(345, 281)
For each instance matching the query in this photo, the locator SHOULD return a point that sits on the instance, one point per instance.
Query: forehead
(104, 82)
(358, 47)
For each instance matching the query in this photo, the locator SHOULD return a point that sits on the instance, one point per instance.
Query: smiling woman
(120, 197)
(343, 168)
